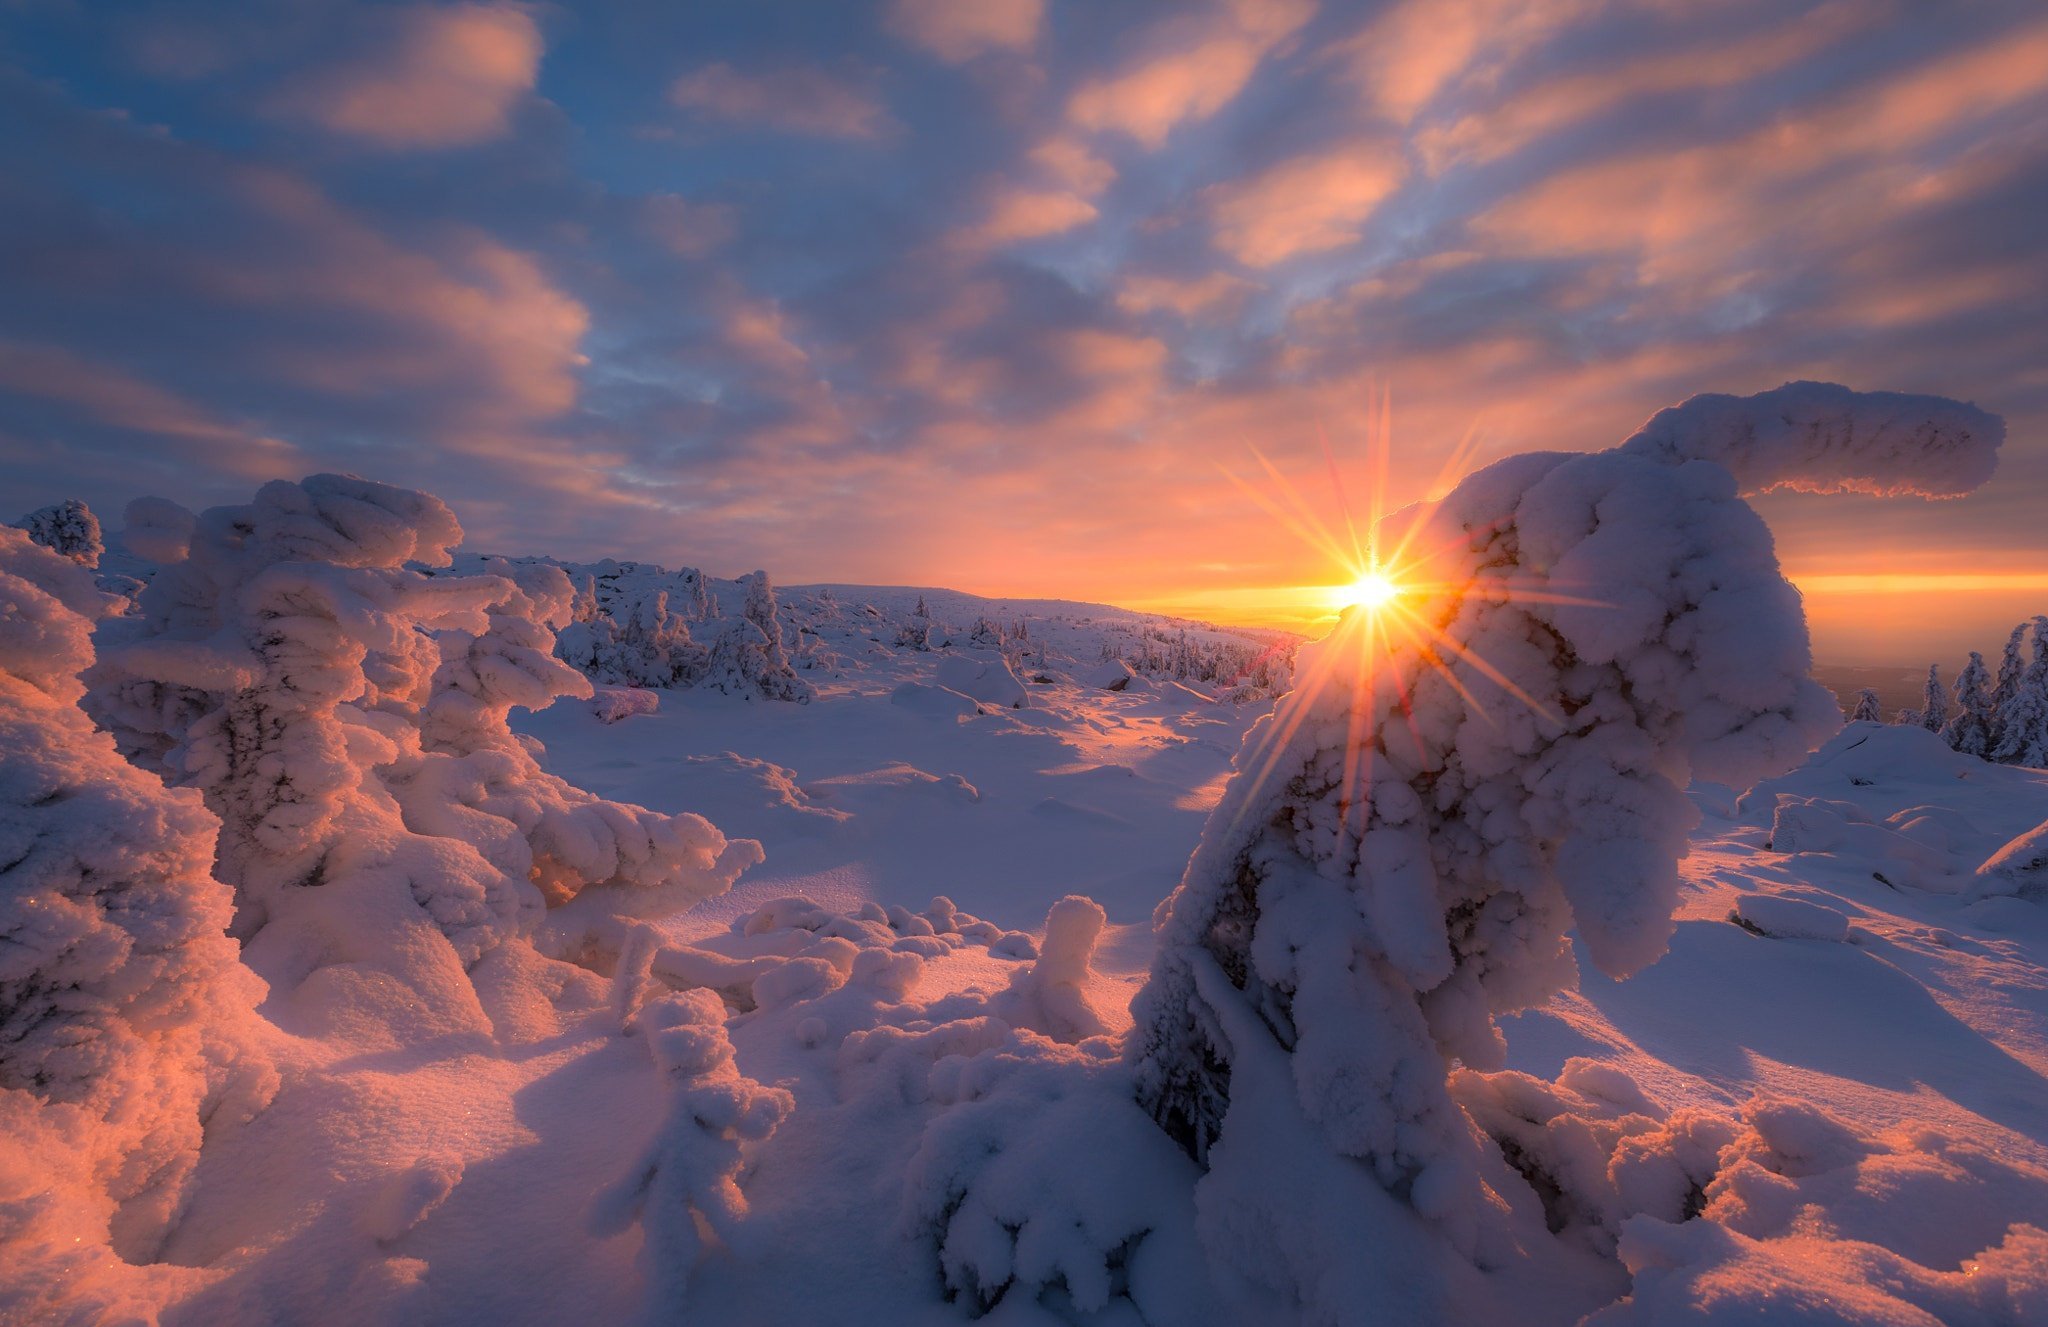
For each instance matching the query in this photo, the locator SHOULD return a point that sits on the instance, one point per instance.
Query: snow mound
(611, 704)
(988, 679)
(1110, 675)
(2020, 868)
(936, 702)
(1789, 918)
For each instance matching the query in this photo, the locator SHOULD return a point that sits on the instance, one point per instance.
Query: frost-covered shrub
(345, 715)
(126, 1021)
(68, 529)
(1412, 833)
(688, 1176)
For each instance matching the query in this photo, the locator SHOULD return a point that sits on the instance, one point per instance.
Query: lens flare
(1373, 591)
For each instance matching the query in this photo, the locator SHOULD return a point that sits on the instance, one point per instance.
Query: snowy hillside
(367, 962)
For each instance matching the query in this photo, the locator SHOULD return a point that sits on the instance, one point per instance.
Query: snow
(349, 975)
(1790, 918)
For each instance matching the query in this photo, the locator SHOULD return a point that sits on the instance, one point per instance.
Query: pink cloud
(1195, 67)
(1069, 163)
(1821, 175)
(798, 99)
(1417, 49)
(439, 78)
(110, 396)
(1014, 215)
(1308, 204)
(956, 31)
(1525, 114)
(1211, 293)
(475, 318)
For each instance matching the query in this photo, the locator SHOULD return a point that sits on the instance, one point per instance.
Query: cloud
(1068, 162)
(1511, 119)
(137, 409)
(1017, 214)
(1308, 204)
(685, 228)
(956, 31)
(1418, 49)
(1212, 293)
(1194, 67)
(796, 99)
(1154, 233)
(435, 77)
(1845, 165)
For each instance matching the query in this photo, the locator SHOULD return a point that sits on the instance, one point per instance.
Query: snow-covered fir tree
(2012, 665)
(1409, 837)
(1969, 727)
(2023, 721)
(1868, 709)
(1933, 702)
(68, 529)
(747, 659)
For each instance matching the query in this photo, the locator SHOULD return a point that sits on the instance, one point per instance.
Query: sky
(1020, 296)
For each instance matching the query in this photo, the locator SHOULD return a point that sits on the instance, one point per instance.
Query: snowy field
(392, 941)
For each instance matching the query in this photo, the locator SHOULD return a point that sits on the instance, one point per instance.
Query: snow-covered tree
(126, 1017)
(747, 658)
(2023, 722)
(641, 643)
(1933, 710)
(921, 610)
(1409, 837)
(2011, 664)
(915, 634)
(1969, 730)
(68, 529)
(987, 634)
(1867, 708)
(344, 714)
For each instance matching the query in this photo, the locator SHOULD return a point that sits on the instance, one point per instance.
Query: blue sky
(999, 295)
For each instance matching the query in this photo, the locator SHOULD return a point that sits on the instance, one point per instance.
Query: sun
(1372, 591)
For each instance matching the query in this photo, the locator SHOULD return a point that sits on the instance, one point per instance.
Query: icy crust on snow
(1413, 832)
(344, 714)
(126, 1023)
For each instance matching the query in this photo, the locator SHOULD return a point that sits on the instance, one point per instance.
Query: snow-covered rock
(1109, 675)
(1790, 918)
(988, 678)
